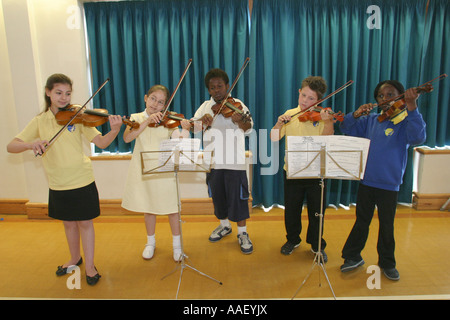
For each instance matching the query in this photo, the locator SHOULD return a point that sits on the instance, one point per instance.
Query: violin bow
(347, 84)
(247, 60)
(166, 108)
(73, 118)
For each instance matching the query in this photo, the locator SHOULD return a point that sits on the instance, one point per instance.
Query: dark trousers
(295, 191)
(386, 203)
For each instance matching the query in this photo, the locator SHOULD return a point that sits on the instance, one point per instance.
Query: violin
(231, 107)
(89, 118)
(170, 120)
(314, 115)
(53, 139)
(399, 103)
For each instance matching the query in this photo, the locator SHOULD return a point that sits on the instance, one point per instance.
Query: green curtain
(141, 43)
(292, 39)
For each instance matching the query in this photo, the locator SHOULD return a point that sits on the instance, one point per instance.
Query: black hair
(396, 84)
(216, 73)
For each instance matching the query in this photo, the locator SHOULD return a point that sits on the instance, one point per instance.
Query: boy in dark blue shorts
(227, 182)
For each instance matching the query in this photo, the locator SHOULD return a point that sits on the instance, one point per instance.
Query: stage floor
(31, 250)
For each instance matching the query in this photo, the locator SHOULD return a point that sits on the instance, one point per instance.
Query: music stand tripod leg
(182, 263)
(318, 258)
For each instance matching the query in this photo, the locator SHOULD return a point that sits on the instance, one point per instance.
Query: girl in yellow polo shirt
(295, 190)
(73, 196)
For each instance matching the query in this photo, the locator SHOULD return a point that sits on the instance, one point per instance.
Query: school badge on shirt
(71, 128)
(389, 132)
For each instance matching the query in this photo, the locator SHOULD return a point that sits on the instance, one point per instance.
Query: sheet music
(164, 160)
(189, 150)
(306, 162)
(345, 156)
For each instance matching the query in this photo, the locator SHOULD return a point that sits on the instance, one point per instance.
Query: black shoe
(93, 280)
(392, 274)
(63, 271)
(288, 247)
(350, 265)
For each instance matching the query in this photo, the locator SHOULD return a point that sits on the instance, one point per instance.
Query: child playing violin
(386, 163)
(295, 190)
(227, 182)
(73, 196)
(153, 194)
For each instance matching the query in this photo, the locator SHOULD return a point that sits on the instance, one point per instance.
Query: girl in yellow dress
(153, 194)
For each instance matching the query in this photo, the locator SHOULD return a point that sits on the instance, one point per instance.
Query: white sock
(225, 223)
(151, 240)
(176, 241)
(242, 229)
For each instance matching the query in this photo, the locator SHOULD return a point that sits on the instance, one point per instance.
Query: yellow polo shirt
(65, 163)
(297, 128)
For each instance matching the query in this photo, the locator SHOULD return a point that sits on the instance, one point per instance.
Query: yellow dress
(151, 193)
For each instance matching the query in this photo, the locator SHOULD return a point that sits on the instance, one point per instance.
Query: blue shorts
(229, 192)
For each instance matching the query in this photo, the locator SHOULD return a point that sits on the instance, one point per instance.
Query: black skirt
(74, 205)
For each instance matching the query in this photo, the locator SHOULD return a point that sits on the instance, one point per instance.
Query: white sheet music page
(345, 156)
(189, 151)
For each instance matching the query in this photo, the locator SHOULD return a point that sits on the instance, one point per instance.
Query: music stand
(327, 152)
(165, 161)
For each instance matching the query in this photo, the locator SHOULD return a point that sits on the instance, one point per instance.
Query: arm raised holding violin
(410, 101)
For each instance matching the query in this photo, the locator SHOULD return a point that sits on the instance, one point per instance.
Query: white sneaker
(219, 233)
(148, 252)
(245, 243)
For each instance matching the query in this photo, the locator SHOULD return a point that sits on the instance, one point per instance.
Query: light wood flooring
(30, 251)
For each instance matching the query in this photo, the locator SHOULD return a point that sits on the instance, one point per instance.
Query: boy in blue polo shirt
(386, 163)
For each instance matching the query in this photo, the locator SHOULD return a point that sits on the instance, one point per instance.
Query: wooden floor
(30, 251)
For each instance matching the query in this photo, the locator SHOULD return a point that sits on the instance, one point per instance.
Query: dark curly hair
(216, 73)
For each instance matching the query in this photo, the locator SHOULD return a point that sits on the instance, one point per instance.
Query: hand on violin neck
(243, 121)
(363, 110)
(411, 97)
(115, 122)
(325, 115)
